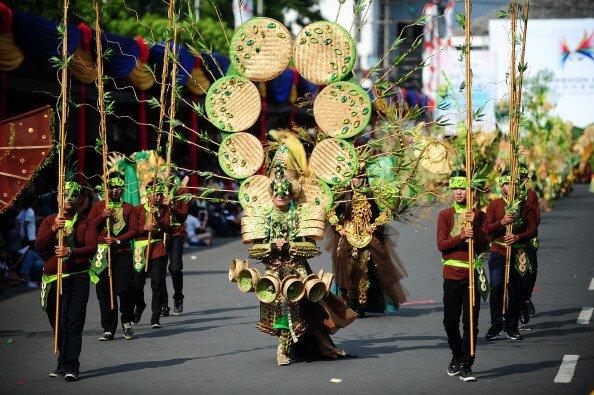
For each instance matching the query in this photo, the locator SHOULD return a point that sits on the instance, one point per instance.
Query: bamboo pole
(170, 12)
(512, 140)
(469, 167)
(103, 137)
(61, 171)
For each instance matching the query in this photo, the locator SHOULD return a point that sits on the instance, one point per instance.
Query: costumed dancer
(152, 219)
(366, 266)
(123, 221)
(304, 314)
(525, 222)
(175, 248)
(80, 243)
(453, 231)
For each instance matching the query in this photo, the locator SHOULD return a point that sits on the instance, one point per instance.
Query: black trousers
(455, 305)
(176, 267)
(73, 311)
(123, 284)
(155, 271)
(515, 289)
(530, 278)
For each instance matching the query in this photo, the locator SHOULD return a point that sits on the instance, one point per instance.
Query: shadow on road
(221, 310)
(517, 369)
(130, 367)
(556, 313)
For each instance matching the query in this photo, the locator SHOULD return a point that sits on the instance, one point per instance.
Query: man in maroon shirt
(453, 231)
(175, 248)
(80, 243)
(122, 231)
(525, 222)
(152, 217)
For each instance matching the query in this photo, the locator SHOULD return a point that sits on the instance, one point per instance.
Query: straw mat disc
(255, 191)
(261, 49)
(241, 155)
(233, 104)
(342, 109)
(434, 156)
(334, 161)
(317, 193)
(324, 52)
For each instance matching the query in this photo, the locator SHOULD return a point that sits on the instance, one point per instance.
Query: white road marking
(585, 315)
(591, 288)
(567, 369)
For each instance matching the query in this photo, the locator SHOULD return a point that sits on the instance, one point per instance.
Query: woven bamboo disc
(334, 161)
(434, 156)
(233, 104)
(255, 191)
(317, 193)
(241, 155)
(261, 49)
(324, 52)
(342, 109)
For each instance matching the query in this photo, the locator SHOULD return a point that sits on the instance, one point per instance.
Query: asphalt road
(214, 347)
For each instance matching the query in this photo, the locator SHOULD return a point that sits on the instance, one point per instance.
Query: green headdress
(157, 188)
(458, 180)
(71, 190)
(116, 180)
(280, 186)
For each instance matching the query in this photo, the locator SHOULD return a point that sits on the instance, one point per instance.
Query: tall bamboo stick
(103, 137)
(469, 167)
(170, 12)
(512, 141)
(61, 170)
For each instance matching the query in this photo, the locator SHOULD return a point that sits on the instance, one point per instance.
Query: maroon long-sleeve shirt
(179, 213)
(84, 238)
(163, 221)
(126, 234)
(454, 247)
(529, 212)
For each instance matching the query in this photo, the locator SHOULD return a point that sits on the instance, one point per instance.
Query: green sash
(99, 261)
(139, 253)
(48, 279)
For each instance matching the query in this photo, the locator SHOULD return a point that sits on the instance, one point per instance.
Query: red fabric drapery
(193, 148)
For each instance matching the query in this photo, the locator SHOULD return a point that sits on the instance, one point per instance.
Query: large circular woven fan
(261, 49)
(334, 161)
(435, 156)
(240, 155)
(255, 191)
(324, 52)
(317, 193)
(233, 104)
(342, 109)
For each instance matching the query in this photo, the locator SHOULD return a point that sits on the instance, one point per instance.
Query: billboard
(563, 46)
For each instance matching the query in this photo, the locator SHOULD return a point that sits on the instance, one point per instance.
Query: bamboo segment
(103, 137)
(61, 170)
(469, 166)
(166, 48)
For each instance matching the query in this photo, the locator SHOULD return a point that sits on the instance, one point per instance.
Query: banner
(564, 47)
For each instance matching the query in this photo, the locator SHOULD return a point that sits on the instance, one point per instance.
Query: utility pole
(260, 8)
(197, 9)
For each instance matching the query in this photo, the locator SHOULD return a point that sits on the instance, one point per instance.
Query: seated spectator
(31, 266)
(196, 228)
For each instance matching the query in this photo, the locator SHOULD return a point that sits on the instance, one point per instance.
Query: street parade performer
(453, 231)
(366, 266)
(525, 220)
(295, 303)
(80, 243)
(175, 247)
(149, 253)
(122, 221)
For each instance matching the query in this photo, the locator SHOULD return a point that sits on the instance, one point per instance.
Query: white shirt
(192, 224)
(26, 224)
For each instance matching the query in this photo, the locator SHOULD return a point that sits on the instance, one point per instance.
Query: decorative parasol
(26, 142)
